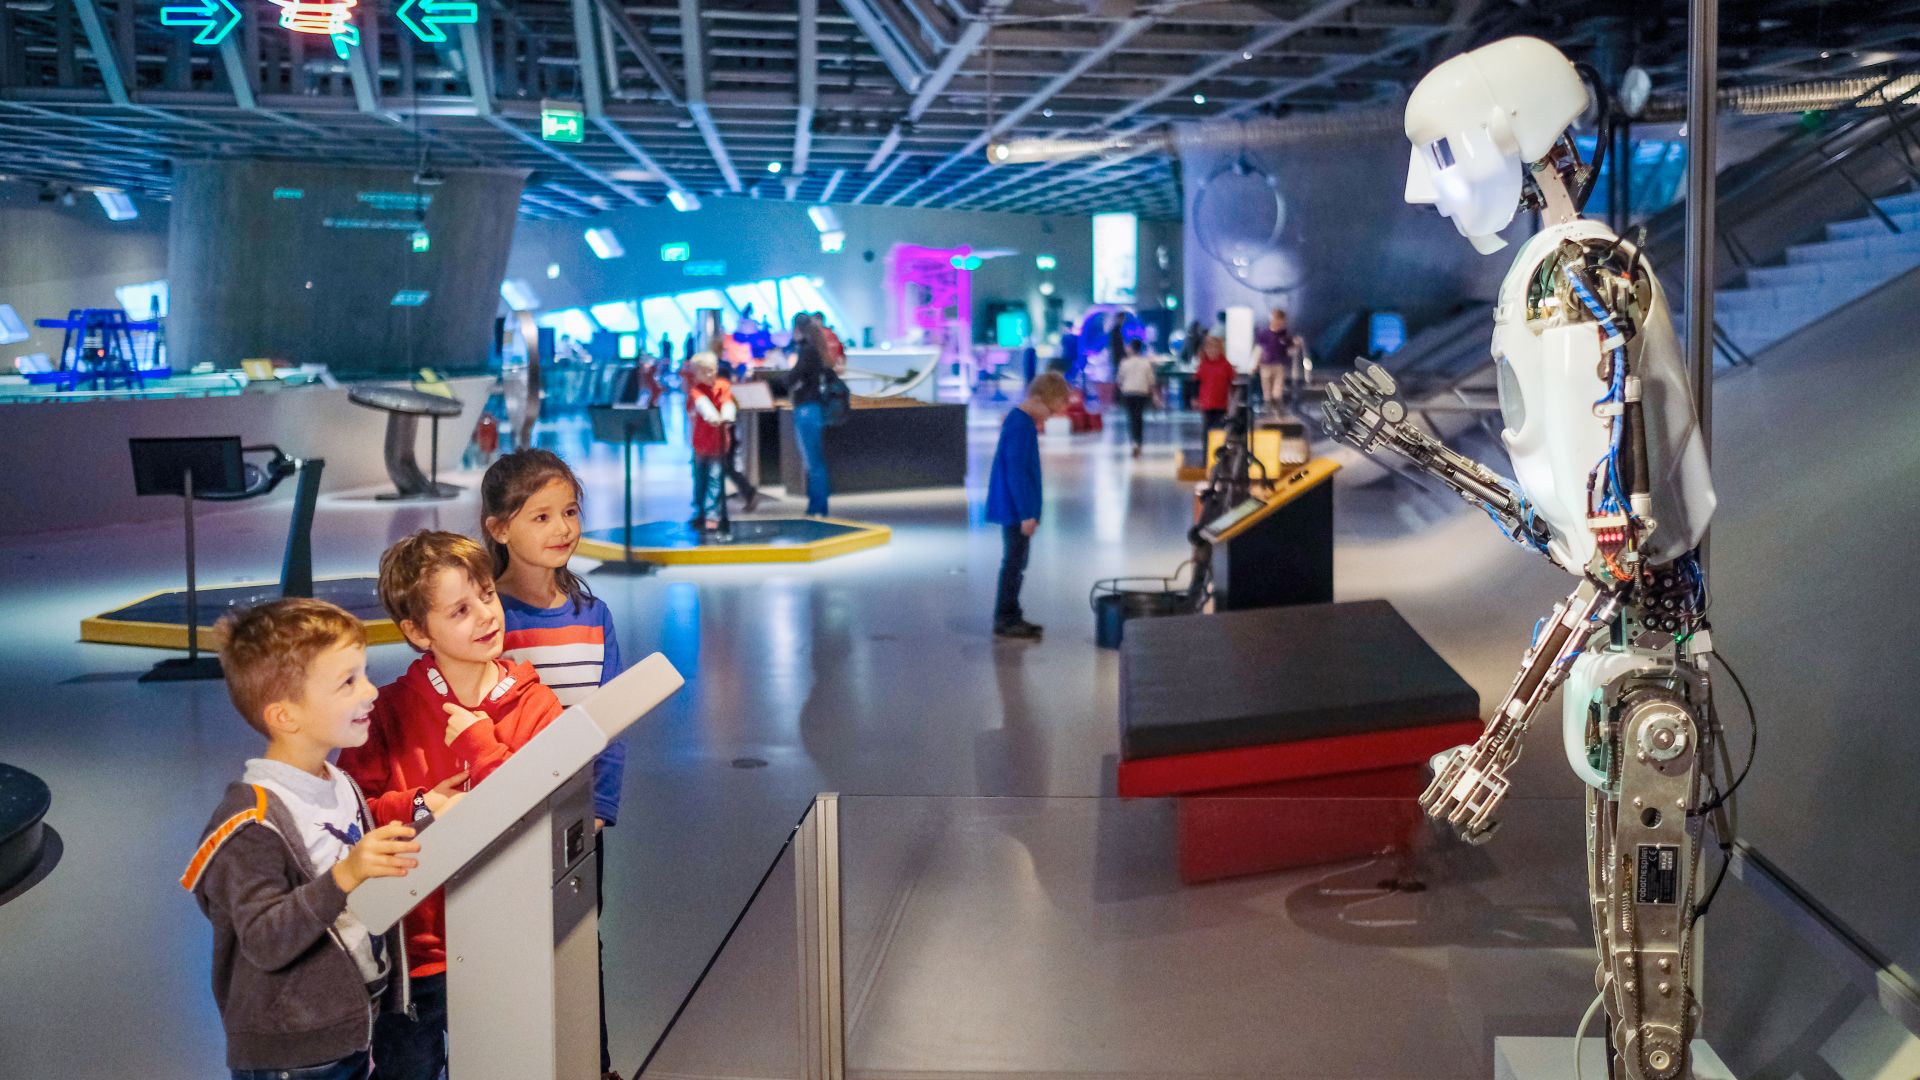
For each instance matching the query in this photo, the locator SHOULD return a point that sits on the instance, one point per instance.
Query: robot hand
(1363, 409)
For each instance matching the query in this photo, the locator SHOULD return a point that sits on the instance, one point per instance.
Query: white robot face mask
(1471, 181)
(1475, 122)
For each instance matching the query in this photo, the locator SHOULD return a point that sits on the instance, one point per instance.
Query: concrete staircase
(1819, 278)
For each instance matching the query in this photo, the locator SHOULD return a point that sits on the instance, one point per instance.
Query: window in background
(663, 316)
(139, 301)
(572, 322)
(801, 293)
(620, 316)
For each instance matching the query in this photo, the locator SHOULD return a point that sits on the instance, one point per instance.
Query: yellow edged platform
(158, 620)
(754, 540)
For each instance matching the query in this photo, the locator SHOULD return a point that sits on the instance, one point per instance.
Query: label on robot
(1658, 878)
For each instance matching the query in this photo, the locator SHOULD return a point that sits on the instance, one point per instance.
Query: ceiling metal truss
(870, 101)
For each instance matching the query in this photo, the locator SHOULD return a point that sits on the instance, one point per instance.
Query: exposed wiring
(1613, 498)
(1580, 1033)
(1753, 742)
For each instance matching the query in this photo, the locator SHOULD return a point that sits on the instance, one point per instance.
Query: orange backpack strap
(218, 837)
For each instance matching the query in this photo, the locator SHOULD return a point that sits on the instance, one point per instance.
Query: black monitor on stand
(188, 468)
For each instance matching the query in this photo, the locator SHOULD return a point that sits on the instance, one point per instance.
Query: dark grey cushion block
(1193, 683)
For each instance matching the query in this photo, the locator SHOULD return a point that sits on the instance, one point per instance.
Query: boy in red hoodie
(456, 715)
(710, 416)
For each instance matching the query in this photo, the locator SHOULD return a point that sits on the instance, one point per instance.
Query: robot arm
(1361, 409)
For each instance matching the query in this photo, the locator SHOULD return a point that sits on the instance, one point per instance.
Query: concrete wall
(311, 279)
(1349, 240)
(68, 466)
(1813, 547)
(54, 258)
(765, 238)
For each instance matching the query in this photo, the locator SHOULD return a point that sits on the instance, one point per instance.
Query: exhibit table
(887, 444)
(960, 937)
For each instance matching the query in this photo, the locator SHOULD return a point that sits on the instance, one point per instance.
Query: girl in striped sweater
(530, 512)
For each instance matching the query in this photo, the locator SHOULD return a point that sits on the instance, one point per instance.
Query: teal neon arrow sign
(425, 17)
(215, 18)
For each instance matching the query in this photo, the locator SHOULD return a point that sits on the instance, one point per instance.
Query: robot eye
(1442, 152)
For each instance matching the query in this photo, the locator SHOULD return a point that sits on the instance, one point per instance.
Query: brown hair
(1050, 387)
(268, 649)
(408, 568)
(509, 483)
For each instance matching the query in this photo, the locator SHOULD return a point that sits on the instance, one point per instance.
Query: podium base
(184, 669)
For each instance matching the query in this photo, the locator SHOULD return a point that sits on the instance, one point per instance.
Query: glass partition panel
(1327, 938)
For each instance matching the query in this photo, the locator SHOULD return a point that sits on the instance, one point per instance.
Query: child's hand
(460, 719)
(381, 853)
(1027, 526)
(445, 793)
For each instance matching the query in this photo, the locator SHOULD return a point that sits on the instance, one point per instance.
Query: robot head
(1477, 120)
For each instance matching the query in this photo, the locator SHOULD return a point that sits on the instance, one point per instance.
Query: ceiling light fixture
(1199, 99)
(773, 167)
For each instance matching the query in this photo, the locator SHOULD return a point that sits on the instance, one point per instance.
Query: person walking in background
(1117, 341)
(1215, 382)
(1014, 496)
(1281, 352)
(1190, 344)
(1135, 380)
(806, 386)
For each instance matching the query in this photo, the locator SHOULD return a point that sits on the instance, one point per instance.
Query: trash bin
(1115, 600)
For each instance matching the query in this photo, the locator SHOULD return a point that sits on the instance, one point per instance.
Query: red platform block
(1272, 763)
(1271, 827)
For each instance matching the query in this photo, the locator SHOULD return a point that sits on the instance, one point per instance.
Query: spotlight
(1046, 288)
(773, 167)
(1048, 113)
(553, 271)
(1199, 99)
(684, 201)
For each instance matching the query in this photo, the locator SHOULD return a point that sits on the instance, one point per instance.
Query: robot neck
(1556, 202)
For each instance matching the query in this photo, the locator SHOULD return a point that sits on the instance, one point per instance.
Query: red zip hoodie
(406, 752)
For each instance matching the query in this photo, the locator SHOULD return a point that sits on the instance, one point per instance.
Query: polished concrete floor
(872, 674)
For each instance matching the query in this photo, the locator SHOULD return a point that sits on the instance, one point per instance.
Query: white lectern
(522, 930)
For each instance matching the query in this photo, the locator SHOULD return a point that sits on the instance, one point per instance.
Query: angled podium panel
(522, 930)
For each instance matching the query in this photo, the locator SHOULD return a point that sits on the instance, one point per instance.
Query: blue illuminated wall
(303, 263)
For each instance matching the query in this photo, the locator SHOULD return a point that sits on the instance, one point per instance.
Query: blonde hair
(1051, 388)
(704, 362)
(408, 568)
(269, 648)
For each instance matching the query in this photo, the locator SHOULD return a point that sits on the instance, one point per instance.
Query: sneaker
(1034, 628)
(1020, 631)
(752, 503)
(1136, 451)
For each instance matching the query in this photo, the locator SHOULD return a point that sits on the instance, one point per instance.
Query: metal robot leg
(1643, 876)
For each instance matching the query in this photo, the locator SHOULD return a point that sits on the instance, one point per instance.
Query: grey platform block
(1552, 1059)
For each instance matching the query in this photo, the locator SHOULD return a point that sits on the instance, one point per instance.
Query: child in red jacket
(456, 715)
(710, 416)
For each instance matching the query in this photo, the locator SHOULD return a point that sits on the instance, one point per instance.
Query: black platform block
(1193, 683)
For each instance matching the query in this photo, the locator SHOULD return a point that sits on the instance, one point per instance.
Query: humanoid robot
(1611, 484)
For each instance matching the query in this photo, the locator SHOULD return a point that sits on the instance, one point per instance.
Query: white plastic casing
(1476, 120)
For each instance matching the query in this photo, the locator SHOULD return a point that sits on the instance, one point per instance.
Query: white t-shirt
(1136, 376)
(329, 820)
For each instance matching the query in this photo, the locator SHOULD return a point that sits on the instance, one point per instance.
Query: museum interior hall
(959, 539)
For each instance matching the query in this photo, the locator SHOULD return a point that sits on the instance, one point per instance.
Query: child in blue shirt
(1013, 496)
(530, 512)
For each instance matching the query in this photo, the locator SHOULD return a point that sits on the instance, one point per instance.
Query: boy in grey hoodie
(297, 978)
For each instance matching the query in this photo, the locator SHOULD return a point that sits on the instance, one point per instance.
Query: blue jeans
(809, 427)
(706, 486)
(1013, 571)
(351, 1067)
(414, 1048)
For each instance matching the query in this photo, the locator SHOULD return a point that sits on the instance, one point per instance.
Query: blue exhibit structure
(100, 350)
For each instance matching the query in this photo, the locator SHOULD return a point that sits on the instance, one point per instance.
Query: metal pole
(626, 458)
(193, 600)
(1703, 80)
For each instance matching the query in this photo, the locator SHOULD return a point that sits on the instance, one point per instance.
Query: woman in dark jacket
(806, 382)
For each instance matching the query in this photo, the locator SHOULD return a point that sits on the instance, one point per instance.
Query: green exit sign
(680, 252)
(562, 121)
